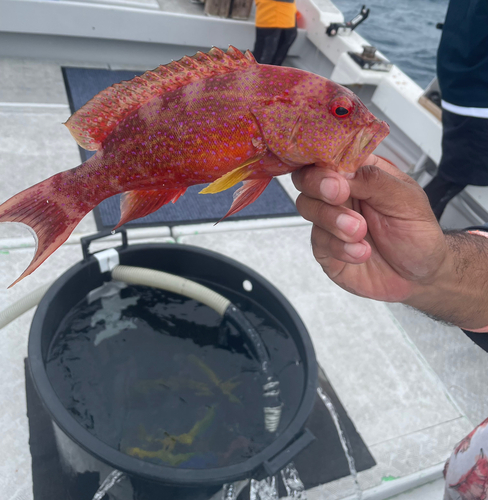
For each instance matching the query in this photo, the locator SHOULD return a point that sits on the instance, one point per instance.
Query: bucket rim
(160, 473)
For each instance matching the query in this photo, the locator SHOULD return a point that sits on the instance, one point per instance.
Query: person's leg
(267, 40)
(440, 192)
(464, 159)
(464, 149)
(258, 44)
(287, 37)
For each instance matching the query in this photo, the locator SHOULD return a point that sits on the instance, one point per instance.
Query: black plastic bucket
(82, 452)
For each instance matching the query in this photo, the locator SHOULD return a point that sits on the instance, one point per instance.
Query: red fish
(218, 118)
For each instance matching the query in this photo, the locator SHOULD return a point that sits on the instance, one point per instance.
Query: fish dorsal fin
(92, 123)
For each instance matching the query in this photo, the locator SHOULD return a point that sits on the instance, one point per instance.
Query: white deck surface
(413, 388)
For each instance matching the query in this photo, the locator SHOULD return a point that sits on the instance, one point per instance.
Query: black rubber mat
(321, 462)
(84, 83)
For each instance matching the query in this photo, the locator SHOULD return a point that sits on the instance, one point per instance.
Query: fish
(226, 386)
(216, 118)
(165, 454)
(177, 384)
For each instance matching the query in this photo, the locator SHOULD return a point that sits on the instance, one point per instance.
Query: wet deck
(412, 387)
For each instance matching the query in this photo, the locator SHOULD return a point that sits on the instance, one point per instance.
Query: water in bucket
(160, 378)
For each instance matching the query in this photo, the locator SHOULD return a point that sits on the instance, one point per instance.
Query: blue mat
(84, 83)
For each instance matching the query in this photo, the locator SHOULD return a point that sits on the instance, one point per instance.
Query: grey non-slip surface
(460, 364)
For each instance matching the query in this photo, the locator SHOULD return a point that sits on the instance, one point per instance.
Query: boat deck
(412, 387)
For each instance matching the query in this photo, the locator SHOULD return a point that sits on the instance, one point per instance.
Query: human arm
(391, 247)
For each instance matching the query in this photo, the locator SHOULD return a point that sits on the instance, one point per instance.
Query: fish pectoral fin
(245, 195)
(139, 203)
(232, 178)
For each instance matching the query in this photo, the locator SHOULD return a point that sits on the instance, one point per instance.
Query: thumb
(392, 194)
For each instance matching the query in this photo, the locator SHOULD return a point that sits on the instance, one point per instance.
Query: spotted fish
(216, 117)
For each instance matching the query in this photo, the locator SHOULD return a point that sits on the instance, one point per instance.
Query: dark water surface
(404, 31)
(155, 375)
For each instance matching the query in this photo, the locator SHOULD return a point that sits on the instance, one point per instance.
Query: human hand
(374, 235)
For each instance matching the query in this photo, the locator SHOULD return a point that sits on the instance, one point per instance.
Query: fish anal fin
(139, 203)
(92, 123)
(248, 193)
(231, 178)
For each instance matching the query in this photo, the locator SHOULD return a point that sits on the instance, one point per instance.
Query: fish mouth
(363, 144)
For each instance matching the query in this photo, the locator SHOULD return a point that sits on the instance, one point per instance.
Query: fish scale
(218, 118)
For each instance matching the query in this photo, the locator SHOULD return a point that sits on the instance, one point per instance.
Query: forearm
(458, 293)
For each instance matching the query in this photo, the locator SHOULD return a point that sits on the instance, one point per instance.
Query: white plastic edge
(107, 259)
(403, 484)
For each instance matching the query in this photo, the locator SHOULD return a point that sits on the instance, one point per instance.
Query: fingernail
(355, 250)
(329, 189)
(347, 224)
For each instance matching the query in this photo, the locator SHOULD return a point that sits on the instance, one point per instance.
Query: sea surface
(404, 31)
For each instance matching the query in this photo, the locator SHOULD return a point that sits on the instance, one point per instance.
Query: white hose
(134, 276)
(172, 283)
(23, 305)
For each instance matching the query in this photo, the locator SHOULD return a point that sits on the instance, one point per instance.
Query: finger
(389, 194)
(387, 166)
(344, 223)
(332, 253)
(321, 184)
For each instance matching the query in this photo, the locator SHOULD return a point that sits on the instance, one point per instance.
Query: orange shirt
(275, 13)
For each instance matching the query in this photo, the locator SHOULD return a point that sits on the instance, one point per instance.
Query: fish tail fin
(46, 209)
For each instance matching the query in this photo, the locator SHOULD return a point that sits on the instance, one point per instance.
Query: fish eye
(341, 111)
(341, 107)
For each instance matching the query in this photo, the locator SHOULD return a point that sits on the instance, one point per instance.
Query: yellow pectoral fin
(231, 178)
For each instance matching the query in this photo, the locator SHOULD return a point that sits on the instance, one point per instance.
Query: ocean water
(404, 31)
